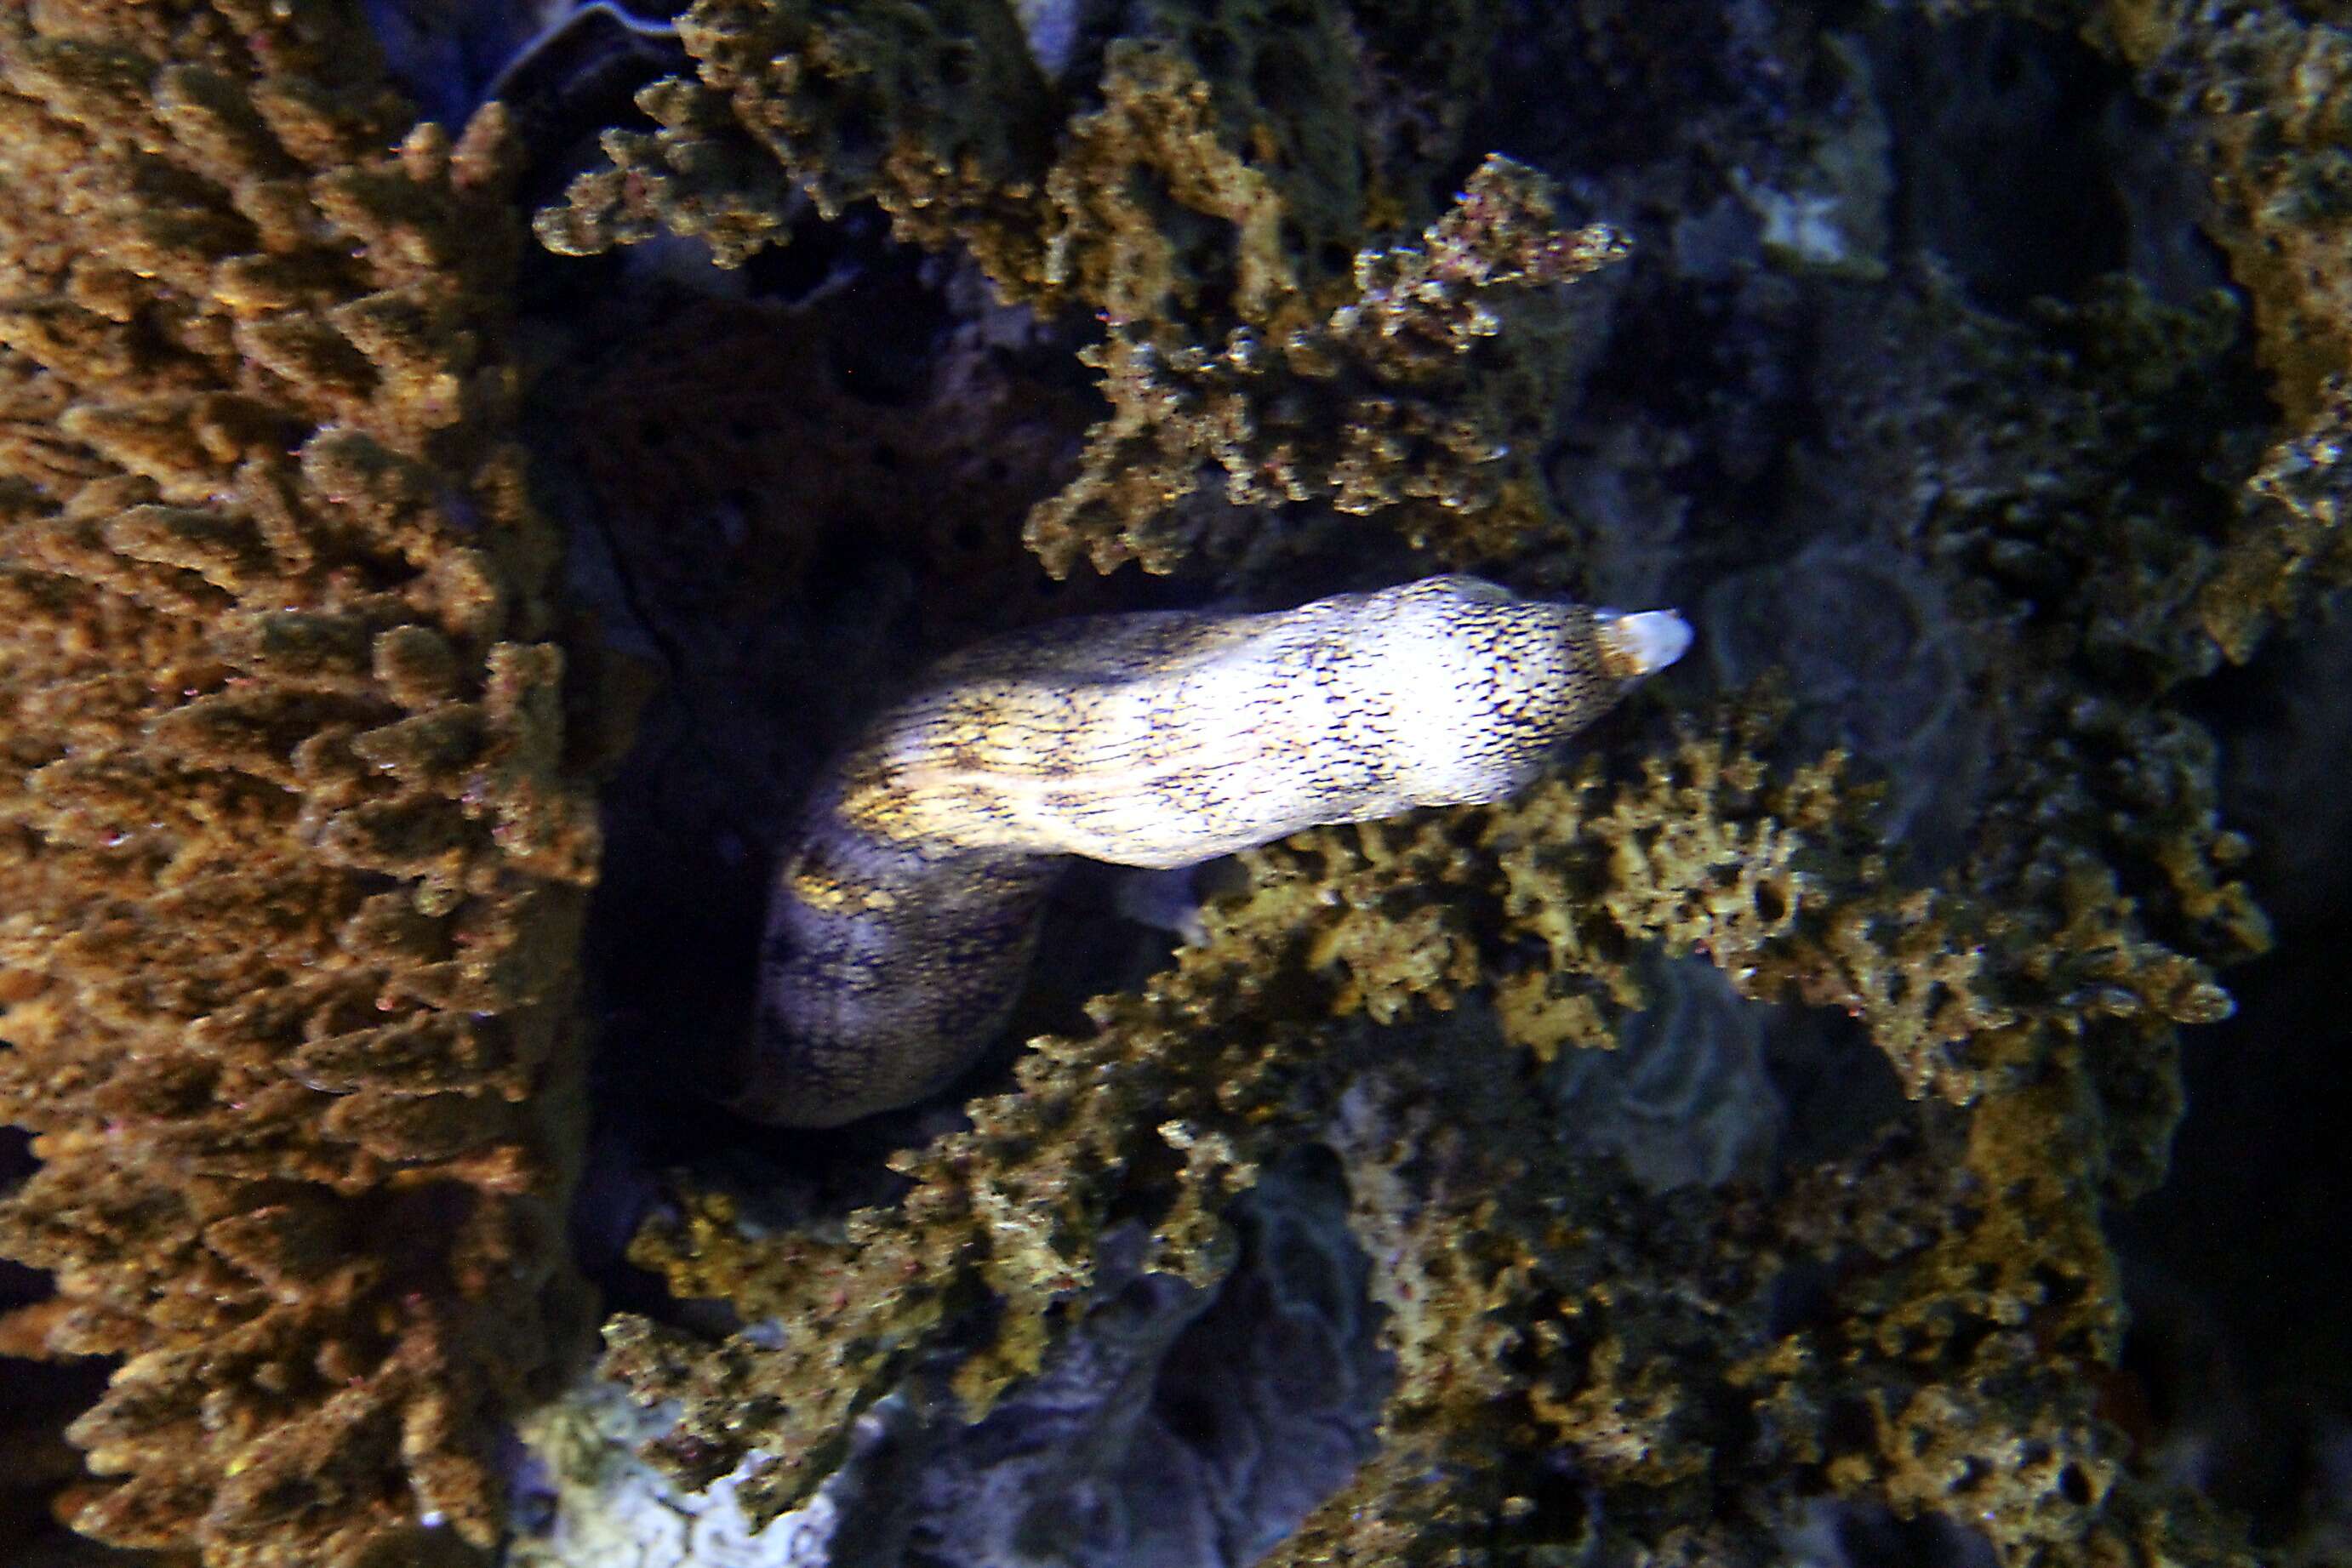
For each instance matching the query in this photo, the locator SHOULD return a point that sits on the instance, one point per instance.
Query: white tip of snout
(1644, 642)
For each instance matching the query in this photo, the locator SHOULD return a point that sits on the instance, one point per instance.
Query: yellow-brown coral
(1544, 1310)
(1218, 211)
(1424, 398)
(293, 858)
(2263, 92)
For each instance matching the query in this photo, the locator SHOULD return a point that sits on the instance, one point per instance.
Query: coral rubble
(292, 853)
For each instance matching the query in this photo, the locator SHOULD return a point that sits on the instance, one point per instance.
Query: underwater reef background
(464, 467)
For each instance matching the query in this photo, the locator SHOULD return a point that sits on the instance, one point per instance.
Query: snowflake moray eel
(906, 911)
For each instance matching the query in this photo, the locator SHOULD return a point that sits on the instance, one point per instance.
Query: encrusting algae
(292, 856)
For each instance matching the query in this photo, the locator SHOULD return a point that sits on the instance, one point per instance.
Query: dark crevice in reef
(42, 1395)
(784, 501)
(2235, 1269)
(2025, 161)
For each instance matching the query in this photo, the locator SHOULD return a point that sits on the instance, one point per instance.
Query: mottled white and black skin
(906, 912)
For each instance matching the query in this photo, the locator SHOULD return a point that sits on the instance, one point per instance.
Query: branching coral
(1922, 1320)
(294, 839)
(1274, 148)
(1425, 399)
(2260, 96)
(938, 112)
(2289, 540)
(1218, 210)
(294, 855)
(1543, 1311)
(1951, 1364)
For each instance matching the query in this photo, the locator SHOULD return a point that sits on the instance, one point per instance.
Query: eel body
(906, 912)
